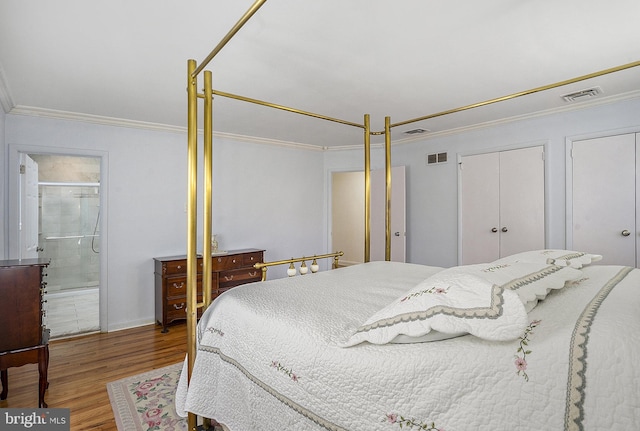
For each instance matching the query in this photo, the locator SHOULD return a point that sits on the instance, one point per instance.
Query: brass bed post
(208, 190)
(367, 188)
(192, 258)
(387, 169)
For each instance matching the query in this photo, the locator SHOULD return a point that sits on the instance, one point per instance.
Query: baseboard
(130, 324)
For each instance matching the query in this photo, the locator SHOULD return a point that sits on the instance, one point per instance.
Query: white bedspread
(269, 359)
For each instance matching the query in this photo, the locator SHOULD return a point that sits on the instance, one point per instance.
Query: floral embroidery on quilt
(215, 331)
(434, 290)
(577, 282)
(497, 267)
(394, 418)
(523, 351)
(278, 366)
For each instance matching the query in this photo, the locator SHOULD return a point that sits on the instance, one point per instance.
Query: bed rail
(304, 269)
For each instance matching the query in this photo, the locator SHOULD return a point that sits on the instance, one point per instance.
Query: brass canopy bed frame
(194, 71)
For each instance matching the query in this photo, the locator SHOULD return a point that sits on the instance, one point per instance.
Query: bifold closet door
(604, 198)
(502, 204)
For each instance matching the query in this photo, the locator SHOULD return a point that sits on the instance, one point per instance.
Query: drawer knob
(253, 274)
(179, 306)
(179, 266)
(179, 286)
(228, 277)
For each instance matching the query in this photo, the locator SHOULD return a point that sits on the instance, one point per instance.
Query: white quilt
(269, 358)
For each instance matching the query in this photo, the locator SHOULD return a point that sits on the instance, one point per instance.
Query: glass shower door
(70, 238)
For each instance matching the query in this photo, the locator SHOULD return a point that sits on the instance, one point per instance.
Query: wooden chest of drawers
(228, 270)
(24, 339)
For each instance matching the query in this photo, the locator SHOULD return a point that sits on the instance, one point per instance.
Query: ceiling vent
(416, 131)
(581, 95)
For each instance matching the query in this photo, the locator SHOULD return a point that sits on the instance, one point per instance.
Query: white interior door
(521, 200)
(29, 208)
(398, 214)
(347, 216)
(604, 198)
(480, 208)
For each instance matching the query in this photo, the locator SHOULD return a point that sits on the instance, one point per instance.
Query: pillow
(576, 259)
(532, 281)
(451, 303)
(442, 302)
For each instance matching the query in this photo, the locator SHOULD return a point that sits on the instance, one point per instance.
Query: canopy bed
(386, 345)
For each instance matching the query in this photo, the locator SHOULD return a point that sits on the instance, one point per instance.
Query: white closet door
(480, 208)
(502, 204)
(521, 200)
(604, 198)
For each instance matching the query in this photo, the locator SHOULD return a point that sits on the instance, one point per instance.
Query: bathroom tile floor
(72, 313)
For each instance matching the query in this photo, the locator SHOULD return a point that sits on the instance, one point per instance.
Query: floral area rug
(145, 402)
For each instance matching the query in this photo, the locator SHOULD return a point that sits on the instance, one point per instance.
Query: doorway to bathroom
(68, 233)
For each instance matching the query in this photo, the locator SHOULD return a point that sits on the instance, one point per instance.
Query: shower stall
(70, 234)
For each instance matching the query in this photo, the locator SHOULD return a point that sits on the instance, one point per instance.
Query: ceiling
(124, 59)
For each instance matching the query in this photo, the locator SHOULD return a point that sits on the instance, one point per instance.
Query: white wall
(266, 197)
(432, 191)
(269, 197)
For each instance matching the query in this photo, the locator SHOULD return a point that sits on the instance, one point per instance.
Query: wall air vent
(416, 131)
(436, 158)
(581, 95)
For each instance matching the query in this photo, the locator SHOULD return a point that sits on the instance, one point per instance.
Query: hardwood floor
(80, 368)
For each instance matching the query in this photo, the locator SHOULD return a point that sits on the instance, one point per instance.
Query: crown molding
(507, 120)
(32, 111)
(266, 141)
(7, 104)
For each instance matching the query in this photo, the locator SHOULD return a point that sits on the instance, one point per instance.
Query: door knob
(397, 234)
(625, 233)
(504, 229)
(494, 230)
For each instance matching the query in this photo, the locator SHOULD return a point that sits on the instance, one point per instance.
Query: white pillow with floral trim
(575, 259)
(451, 303)
(455, 301)
(532, 281)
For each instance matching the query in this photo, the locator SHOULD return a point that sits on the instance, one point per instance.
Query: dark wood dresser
(23, 337)
(230, 269)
